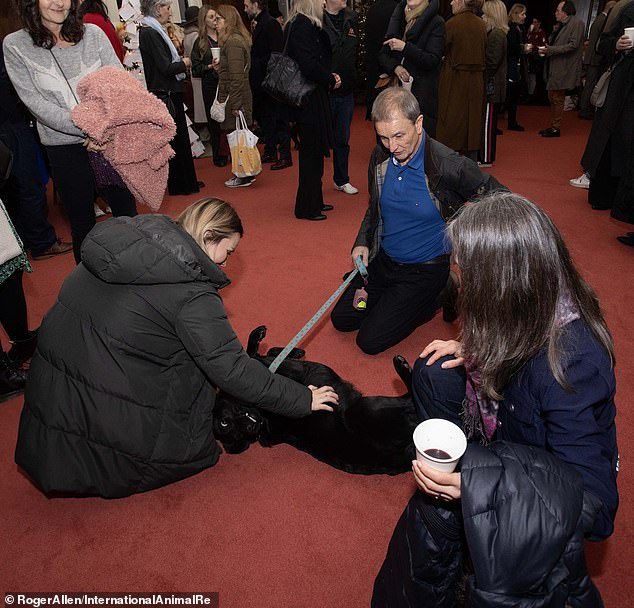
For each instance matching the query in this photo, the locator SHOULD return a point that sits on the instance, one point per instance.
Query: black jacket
(121, 391)
(344, 48)
(421, 57)
(524, 514)
(267, 37)
(160, 72)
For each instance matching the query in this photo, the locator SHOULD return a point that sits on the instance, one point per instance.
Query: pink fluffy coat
(117, 112)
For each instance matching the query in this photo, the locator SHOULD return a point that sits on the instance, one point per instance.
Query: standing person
(376, 21)
(536, 37)
(516, 48)
(536, 380)
(416, 184)
(495, 18)
(45, 61)
(122, 401)
(267, 38)
(205, 67)
(413, 51)
(341, 25)
(563, 62)
(308, 44)
(461, 89)
(165, 72)
(233, 85)
(609, 153)
(96, 12)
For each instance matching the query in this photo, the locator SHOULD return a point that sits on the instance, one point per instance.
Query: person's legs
(120, 201)
(13, 316)
(438, 392)
(400, 298)
(309, 198)
(603, 185)
(209, 86)
(344, 316)
(342, 108)
(182, 173)
(74, 180)
(556, 99)
(266, 120)
(512, 99)
(490, 133)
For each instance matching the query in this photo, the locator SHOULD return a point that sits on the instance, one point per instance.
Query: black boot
(12, 379)
(22, 350)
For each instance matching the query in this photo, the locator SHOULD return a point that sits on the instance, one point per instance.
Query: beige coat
(235, 62)
(563, 66)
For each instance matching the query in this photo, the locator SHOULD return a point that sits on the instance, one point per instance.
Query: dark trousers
(593, 73)
(489, 143)
(75, 182)
(24, 194)
(13, 308)
(438, 392)
(341, 109)
(219, 145)
(309, 199)
(513, 90)
(275, 131)
(400, 298)
(603, 185)
(182, 174)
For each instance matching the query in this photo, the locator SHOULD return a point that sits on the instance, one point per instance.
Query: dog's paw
(255, 337)
(403, 370)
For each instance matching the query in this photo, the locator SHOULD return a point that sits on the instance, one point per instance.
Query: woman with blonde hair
(308, 44)
(233, 85)
(516, 49)
(121, 399)
(495, 18)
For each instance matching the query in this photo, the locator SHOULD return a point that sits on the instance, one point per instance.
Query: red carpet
(273, 528)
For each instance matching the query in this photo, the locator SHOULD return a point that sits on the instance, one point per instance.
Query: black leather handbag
(284, 80)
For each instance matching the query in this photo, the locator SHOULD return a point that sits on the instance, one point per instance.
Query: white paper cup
(439, 443)
(215, 53)
(629, 32)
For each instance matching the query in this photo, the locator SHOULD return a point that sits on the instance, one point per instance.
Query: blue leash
(362, 270)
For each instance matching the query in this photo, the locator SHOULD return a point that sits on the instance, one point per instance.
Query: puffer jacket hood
(146, 250)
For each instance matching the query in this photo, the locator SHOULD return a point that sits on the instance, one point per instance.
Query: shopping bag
(245, 157)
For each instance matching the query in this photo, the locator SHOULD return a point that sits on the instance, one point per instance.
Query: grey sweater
(42, 86)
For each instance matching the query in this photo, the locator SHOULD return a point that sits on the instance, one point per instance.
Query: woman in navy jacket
(535, 362)
(308, 44)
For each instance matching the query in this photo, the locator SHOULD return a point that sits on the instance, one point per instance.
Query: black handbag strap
(289, 25)
(59, 67)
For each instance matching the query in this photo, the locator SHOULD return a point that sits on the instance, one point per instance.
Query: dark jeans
(219, 145)
(400, 298)
(75, 182)
(24, 193)
(438, 392)
(341, 109)
(275, 131)
(309, 198)
(513, 90)
(13, 308)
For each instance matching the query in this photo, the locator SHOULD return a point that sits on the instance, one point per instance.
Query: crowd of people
(531, 376)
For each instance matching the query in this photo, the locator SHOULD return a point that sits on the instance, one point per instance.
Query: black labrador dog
(366, 435)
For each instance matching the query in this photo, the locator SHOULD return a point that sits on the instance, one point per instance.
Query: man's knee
(344, 321)
(369, 344)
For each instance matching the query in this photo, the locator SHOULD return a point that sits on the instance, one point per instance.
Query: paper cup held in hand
(439, 443)
(629, 32)
(215, 53)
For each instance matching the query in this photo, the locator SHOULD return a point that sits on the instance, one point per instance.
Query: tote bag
(245, 157)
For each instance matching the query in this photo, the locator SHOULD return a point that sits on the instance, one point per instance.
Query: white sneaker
(239, 182)
(98, 211)
(348, 188)
(583, 181)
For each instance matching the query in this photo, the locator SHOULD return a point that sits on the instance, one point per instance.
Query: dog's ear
(255, 337)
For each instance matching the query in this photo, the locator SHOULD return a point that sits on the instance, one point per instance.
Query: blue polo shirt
(413, 229)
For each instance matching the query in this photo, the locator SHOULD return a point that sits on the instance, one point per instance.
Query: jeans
(341, 109)
(24, 194)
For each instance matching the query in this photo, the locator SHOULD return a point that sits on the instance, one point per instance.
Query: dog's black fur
(365, 435)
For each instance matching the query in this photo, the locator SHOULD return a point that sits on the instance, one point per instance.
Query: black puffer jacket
(524, 515)
(122, 388)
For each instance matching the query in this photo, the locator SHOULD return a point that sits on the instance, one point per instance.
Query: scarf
(479, 413)
(412, 14)
(155, 25)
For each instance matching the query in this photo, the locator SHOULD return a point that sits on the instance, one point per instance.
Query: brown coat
(461, 89)
(235, 62)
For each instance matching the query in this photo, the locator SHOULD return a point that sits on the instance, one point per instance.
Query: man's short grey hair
(395, 103)
(150, 8)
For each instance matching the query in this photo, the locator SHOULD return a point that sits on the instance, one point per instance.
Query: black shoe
(12, 379)
(200, 184)
(626, 240)
(550, 132)
(221, 162)
(283, 163)
(325, 207)
(314, 218)
(269, 158)
(600, 207)
(516, 127)
(22, 350)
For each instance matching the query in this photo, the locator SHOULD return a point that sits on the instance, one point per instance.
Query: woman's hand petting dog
(437, 484)
(322, 396)
(442, 348)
